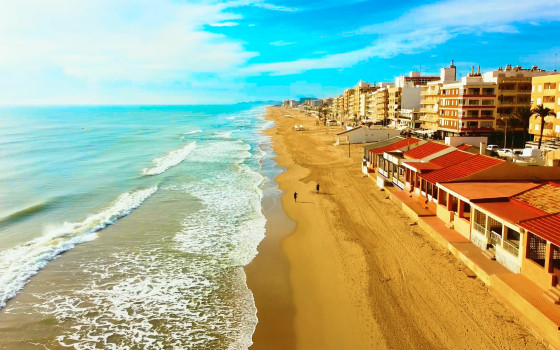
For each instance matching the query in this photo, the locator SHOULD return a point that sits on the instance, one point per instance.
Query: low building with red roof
(517, 222)
(390, 163)
(413, 169)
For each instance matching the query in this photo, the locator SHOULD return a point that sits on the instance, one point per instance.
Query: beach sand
(355, 272)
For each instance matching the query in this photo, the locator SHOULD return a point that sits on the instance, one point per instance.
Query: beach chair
(296, 128)
(301, 127)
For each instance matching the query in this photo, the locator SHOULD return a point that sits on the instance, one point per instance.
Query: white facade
(362, 134)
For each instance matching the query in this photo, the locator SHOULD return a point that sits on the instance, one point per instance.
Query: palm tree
(542, 112)
(522, 115)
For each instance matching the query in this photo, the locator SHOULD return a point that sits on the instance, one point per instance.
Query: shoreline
(360, 274)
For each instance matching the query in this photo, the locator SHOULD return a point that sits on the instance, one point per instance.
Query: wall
(444, 215)
(411, 97)
(471, 140)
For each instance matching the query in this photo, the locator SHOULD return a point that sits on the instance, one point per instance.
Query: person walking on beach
(295, 196)
(317, 187)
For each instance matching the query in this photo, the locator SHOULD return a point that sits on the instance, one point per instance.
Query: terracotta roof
(395, 146)
(464, 147)
(468, 167)
(545, 197)
(425, 150)
(511, 211)
(452, 158)
(422, 165)
(474, 191)
(547, 227)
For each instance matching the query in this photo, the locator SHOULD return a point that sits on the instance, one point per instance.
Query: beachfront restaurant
(377, 159)
(541, 261)
(512, 223)
(392, 167)
(450, 207)
(413, 169)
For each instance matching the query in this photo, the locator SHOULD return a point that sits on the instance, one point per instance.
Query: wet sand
(356, 272)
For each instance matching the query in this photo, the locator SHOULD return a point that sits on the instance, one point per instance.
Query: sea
(128, 227)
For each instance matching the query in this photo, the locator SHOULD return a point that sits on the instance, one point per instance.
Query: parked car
(492, 147)
(505, 152)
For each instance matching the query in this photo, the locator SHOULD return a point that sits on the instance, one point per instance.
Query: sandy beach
(354, 272)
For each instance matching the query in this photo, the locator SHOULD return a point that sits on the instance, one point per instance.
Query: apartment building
(405, 95)
(378, 106)
(429, 102)
(546, 91)
(467, 106)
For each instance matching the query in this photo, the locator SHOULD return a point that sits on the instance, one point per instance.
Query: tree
(522, 116)
(542, 112)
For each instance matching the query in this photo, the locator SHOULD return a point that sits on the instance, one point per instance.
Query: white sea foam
(192, 132)
(18, 264)
(170, 160)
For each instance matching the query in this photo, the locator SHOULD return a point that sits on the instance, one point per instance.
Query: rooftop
(468, 167)
(545, 197)
(451, 158)
(545, 227)
(476, 191)
(511, 211)
(425, 150)
(409, 141)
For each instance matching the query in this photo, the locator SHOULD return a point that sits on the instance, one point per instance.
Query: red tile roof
(511, 211)
(425, 150)
(547, 227)
(423, 165)
(452, 158)
(409, 141)
(468, 167)
(484, 190)
(545, 197)
(464, 147)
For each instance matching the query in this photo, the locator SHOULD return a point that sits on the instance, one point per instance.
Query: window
(557, 128)
(539, 100)
(537, 127)
(539, 88)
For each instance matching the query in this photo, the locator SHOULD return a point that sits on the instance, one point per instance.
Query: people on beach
(295, 196)
(317, 187)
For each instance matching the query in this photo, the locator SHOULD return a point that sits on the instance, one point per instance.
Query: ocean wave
(19, 264)
(23, 213)
(170, 160)
(192, 132)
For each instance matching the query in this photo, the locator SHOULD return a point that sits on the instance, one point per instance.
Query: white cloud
(425, 27)
(282, 43)
(224, 24)
(117, 39)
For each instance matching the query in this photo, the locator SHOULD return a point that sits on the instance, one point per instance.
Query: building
(513, 87)
(546, 91)
(430, 94)
(362, 134)
(405, 95)
(467, 106)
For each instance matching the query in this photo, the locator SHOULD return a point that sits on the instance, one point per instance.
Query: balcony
(511, 247)
(495, 239)
(479, 228)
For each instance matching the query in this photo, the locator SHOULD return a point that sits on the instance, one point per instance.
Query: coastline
(360, 274)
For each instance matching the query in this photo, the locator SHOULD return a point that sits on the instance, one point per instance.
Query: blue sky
(199, 52)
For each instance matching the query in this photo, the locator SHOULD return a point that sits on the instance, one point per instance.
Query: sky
(56, 52)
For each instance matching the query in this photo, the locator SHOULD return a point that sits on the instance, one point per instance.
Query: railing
(495, 238)
(479, 228)
(511, 248)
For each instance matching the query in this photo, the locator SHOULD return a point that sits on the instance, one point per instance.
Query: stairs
(553, 294)
(490, 253)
